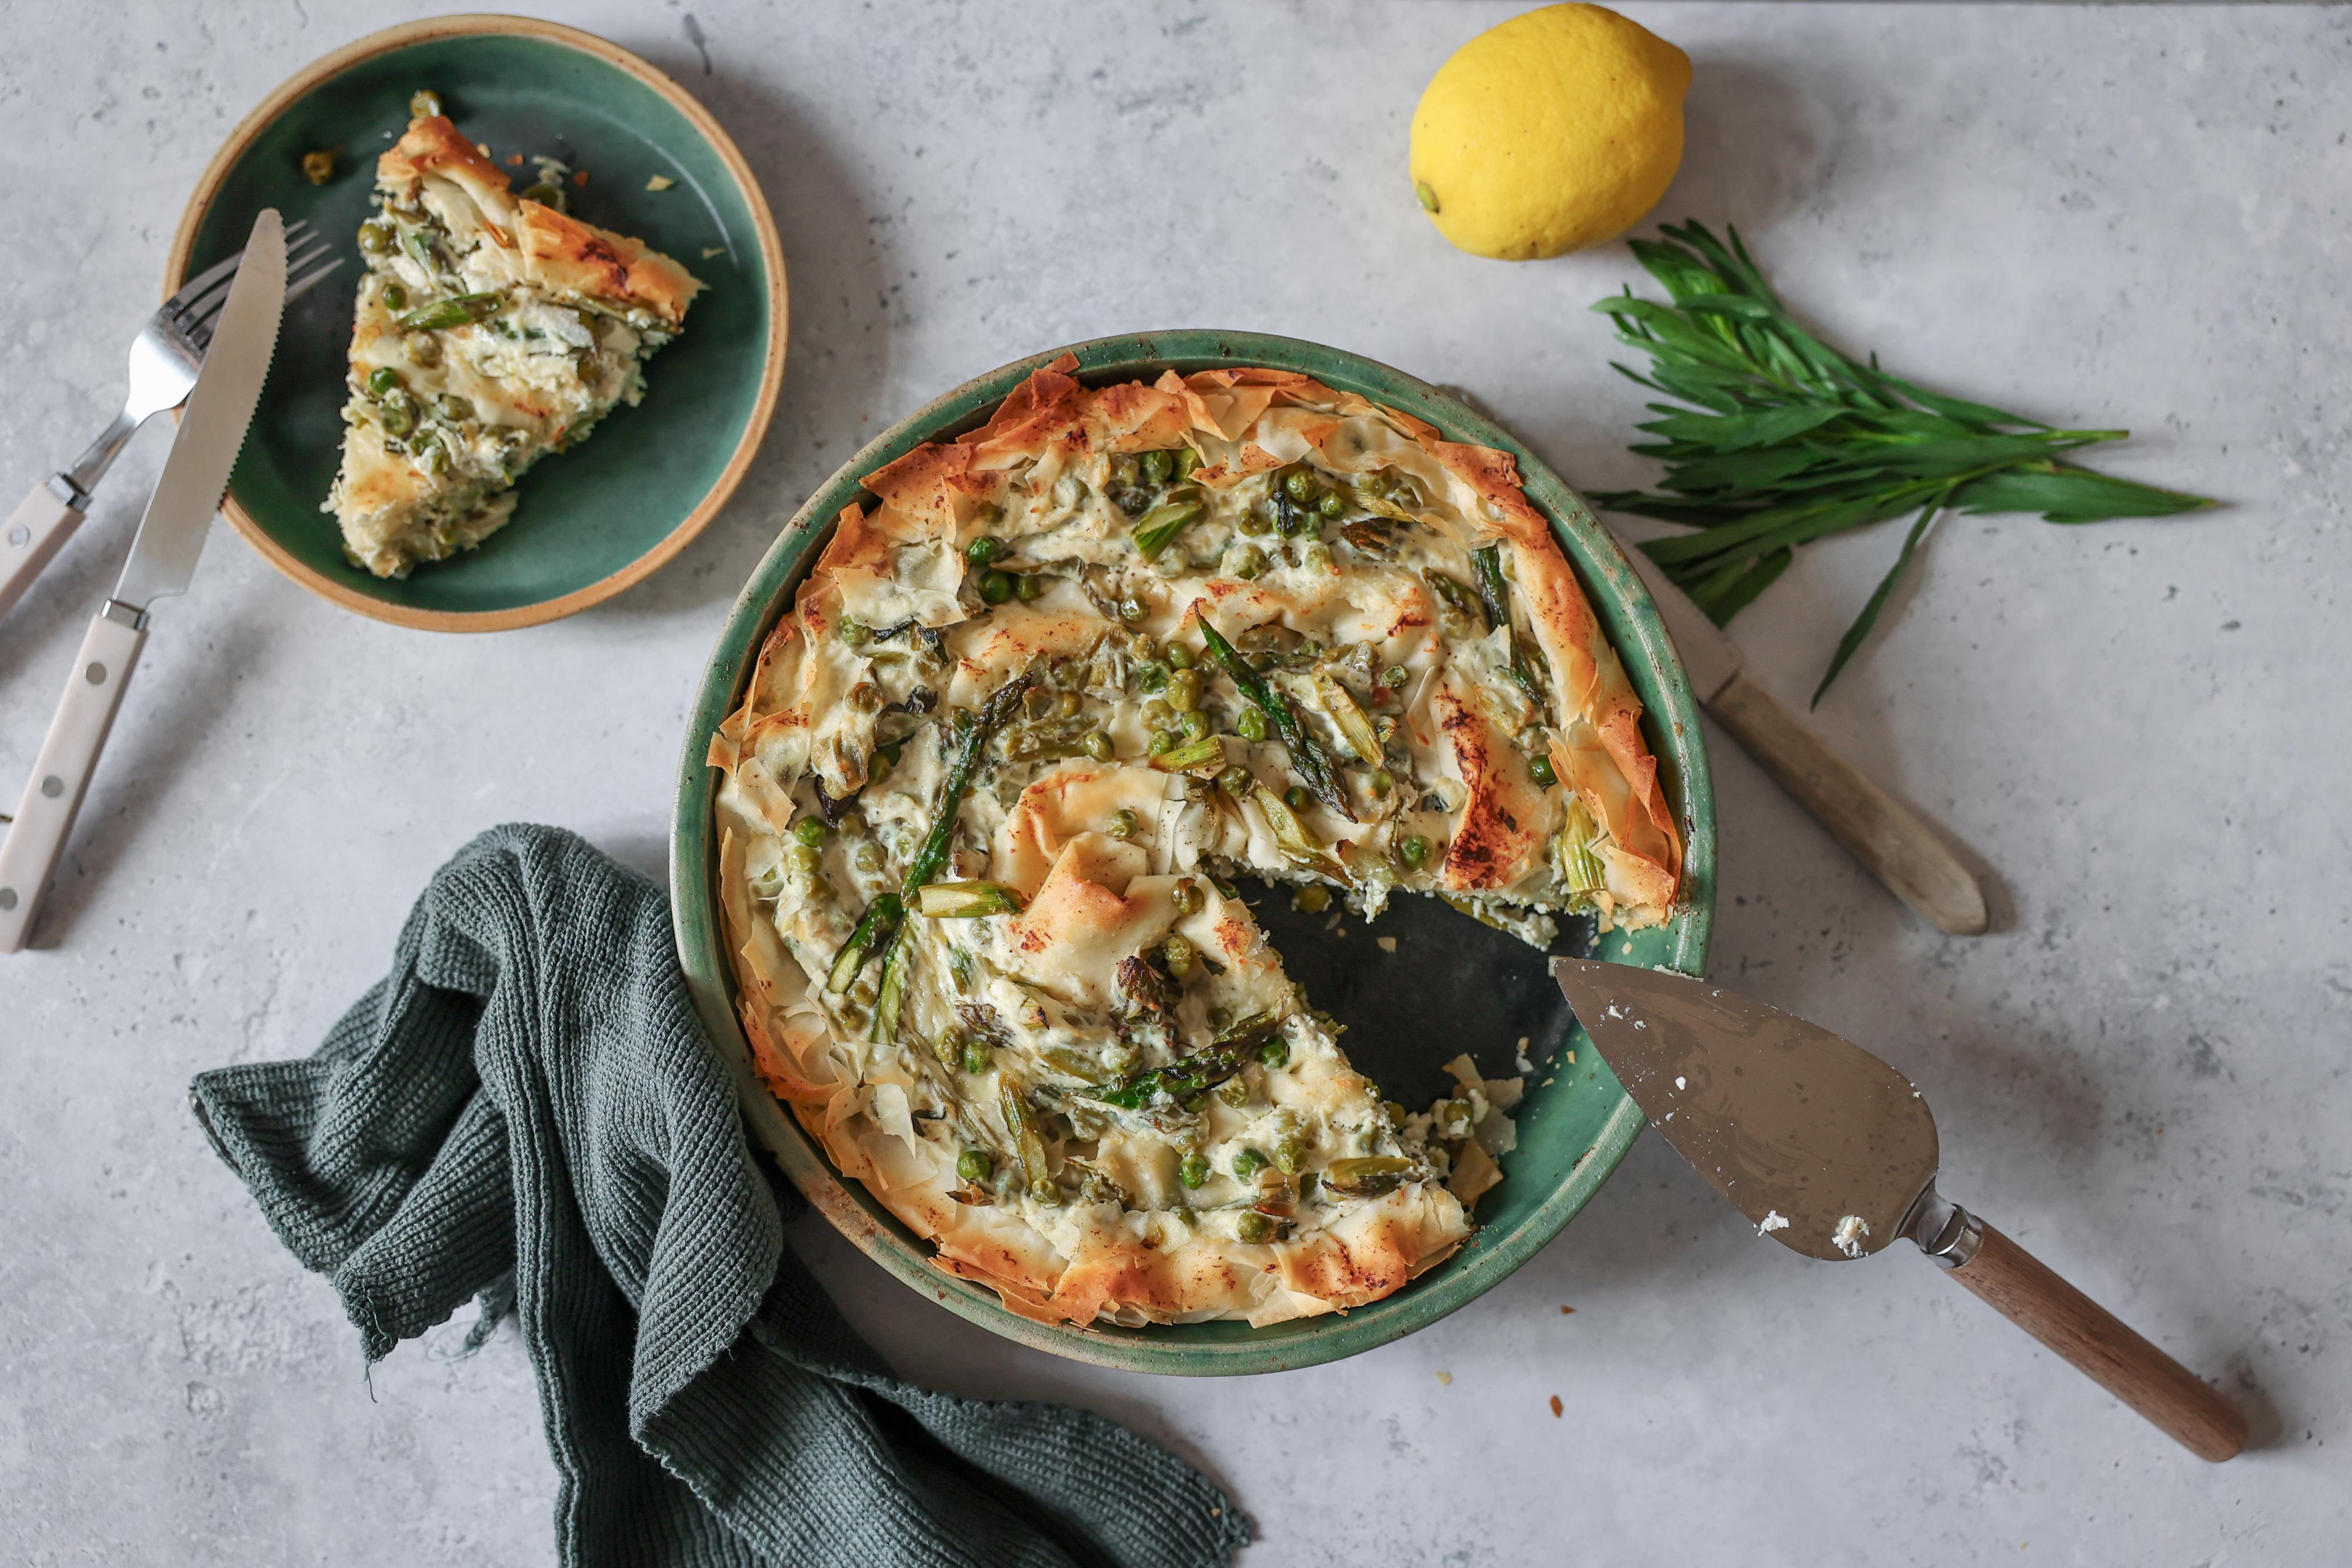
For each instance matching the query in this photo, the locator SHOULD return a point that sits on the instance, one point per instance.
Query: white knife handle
(1890, 840)
(61, 773)
(34, 532)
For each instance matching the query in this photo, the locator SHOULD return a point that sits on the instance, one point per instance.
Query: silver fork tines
(170, 348)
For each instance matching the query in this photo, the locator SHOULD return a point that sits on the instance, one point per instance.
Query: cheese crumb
(1445, 1379)
(710, 250)
(1849, 1234)
(1681, 1082)
(1773, 1220)
(660, 182)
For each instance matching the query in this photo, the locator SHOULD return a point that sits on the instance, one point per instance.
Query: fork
(165, 359)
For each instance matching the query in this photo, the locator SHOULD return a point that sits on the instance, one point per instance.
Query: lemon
(1555, 131)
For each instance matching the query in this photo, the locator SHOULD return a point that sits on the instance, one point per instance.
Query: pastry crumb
(710, 250)
(1568, 1311)
(1388, 943)
(1445, 1380)
(1555, 1407)
(659, 183)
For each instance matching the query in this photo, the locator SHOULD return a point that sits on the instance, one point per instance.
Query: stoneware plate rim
(324, 69)
(1671, 722)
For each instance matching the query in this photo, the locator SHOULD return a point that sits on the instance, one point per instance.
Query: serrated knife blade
(171, 533)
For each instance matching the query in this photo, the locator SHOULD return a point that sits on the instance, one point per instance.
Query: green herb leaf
(1775, 439)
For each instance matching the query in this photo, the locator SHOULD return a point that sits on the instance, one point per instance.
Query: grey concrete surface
(2131, 216)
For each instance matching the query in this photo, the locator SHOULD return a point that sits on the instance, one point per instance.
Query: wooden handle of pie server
(2023, 1289)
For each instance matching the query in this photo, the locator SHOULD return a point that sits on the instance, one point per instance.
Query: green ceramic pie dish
(1573, 1128)
(597, 519)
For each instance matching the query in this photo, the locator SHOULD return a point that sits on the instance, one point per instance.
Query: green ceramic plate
(1573, 1133)
(592, 520)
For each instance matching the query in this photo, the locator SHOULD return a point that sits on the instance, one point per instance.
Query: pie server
(1832, 1154)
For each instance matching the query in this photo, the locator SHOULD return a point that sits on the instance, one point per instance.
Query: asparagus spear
(1189, 1076)
(878, 927)
(1306, 753)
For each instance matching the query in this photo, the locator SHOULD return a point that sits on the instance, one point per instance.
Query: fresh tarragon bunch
(1786, 441)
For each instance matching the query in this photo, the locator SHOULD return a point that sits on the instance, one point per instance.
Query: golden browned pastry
(490, 330)
(1029, 713)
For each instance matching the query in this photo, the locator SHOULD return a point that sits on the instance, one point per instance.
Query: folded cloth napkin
(526, 1110)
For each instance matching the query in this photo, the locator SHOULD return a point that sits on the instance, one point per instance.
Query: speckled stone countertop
(2132, 217)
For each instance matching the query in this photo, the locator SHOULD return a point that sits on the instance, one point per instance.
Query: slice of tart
(1029, 713)
(490, 330)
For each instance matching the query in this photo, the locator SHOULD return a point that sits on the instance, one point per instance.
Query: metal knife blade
(1709, 657)
(171, 533)
(1821, 1145)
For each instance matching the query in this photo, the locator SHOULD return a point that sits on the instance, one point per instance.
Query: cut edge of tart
(1070, 672)
(489, 330)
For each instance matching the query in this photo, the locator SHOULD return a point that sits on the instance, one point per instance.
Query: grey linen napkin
(527, 1109)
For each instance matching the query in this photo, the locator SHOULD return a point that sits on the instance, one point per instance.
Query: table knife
(1890, 840)
(162, 560)
(1833, 1154)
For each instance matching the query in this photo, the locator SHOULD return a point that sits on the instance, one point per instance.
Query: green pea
(1394, 676)
(1156, 468)
(424, 104)
(1188, 897)
(1157, 713)
(1192, 1171)
(1125, 473)
(1027, 588)
(546, 193)
(1247, 561)
(975, 1165)
(1177, 954)
(1132, 610)
(1253, 522)
(454, 408)
(1098, 746)
(1179, 656)
(948, 1047)
(1413, 852)
(1235, 781)
(1540, 770)
(436, 461)
(810, 830)
(1165, 742)
(1194, 722)
(995, 586)
(1276, 1053)
(1296, 798)
(1184, 690)
(374, 238)
(382, 380)
(1311, 901)
(423, 349)
(399, 416)
(1123, 824)
(853, 632)
(1298, 485)
(1250, 724)
(975, 1055)
(983, 550)
(1289, 1154)
(1254, 1228)
(1187, 462)
(1332, 504)
(800, 857)
(1219, 1017)
(1248, 1163)
(1382, 781)
(396, 297)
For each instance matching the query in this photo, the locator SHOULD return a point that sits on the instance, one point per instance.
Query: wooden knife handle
(2023, 1289)
(1895, 846)
(31, 537)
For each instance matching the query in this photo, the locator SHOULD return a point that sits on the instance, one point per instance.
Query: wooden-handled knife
(1886, 837)
(1833, 1154)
